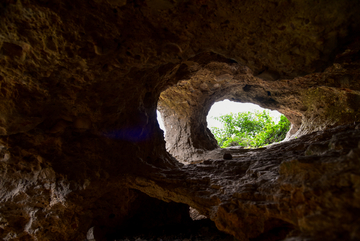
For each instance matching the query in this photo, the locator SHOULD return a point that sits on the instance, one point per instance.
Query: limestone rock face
(310, 102)
(299, 185)
(81, 149)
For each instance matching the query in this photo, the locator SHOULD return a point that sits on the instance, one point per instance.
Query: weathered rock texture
(301, 184)
(311, 102)
(80, 145)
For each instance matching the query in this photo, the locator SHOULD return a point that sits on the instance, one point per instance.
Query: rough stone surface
(312, 102)
(80, 82)
(301, 184)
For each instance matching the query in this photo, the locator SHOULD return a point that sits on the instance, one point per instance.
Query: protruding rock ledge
(290, 185)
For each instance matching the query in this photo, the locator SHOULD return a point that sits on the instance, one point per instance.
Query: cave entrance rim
(197, 153)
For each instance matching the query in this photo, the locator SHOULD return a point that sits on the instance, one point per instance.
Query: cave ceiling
(81, 149)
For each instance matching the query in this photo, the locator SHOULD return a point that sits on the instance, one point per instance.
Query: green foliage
(250, 129)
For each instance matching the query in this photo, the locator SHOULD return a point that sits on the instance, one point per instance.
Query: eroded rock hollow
(82, 155)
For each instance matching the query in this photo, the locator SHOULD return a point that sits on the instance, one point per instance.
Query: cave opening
(204, 80)
(160, 121)
(245, 124)
(191, 130)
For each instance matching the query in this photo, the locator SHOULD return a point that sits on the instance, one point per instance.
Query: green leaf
(250, 129)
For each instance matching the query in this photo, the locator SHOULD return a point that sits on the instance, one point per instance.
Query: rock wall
(80, 82)
(312, 102)
(299, 186)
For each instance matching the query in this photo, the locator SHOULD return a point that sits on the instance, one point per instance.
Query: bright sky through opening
(226, 107)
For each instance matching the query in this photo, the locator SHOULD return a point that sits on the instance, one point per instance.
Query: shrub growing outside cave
(250, 129)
